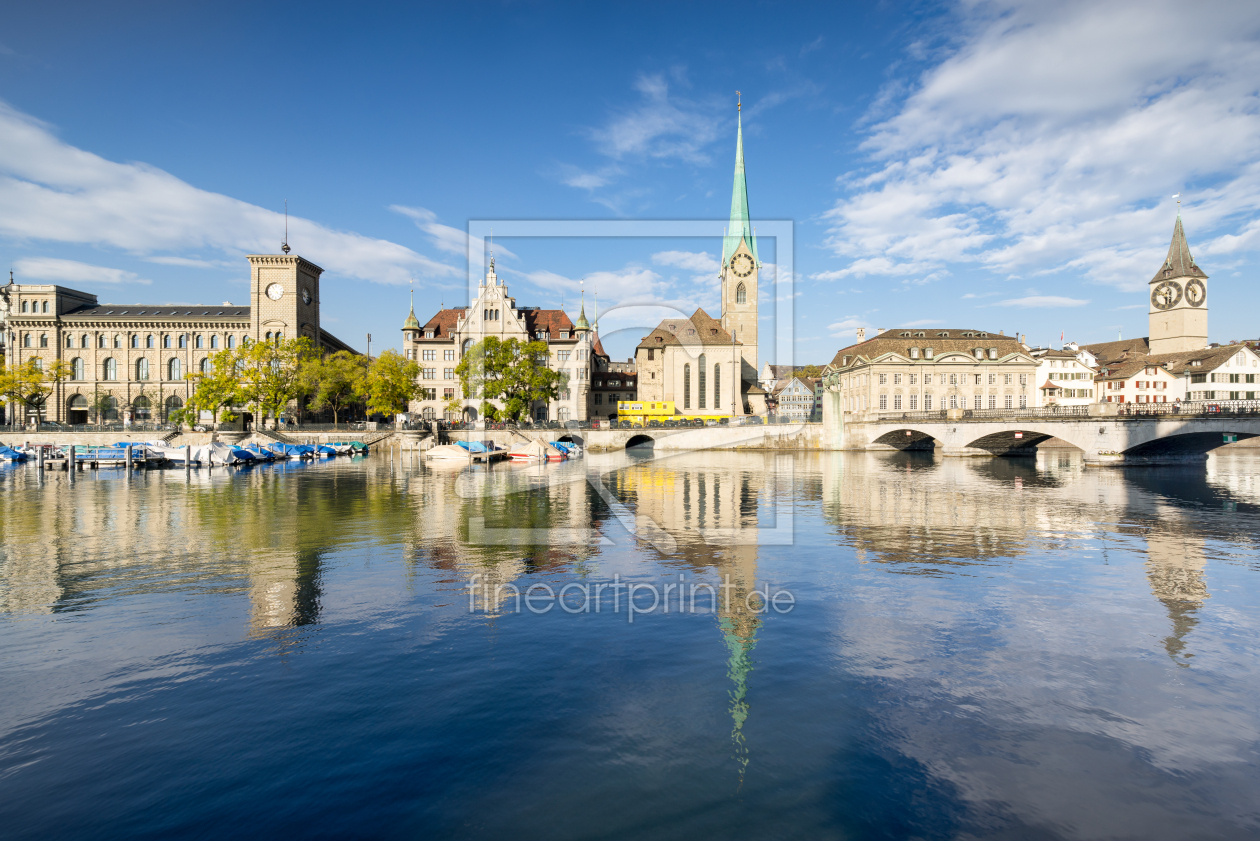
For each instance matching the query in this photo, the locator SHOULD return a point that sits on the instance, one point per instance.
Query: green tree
(270, 373)
(214, 389)
(513, 372)
(335, 381)
(391, 383)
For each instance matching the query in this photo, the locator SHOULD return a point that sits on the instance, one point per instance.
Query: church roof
(740, 228)
(700, 329)
(1178, 263)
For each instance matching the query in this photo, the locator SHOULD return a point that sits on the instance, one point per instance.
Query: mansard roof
(1208, 359)
(940, 340)
(1178, 263)
(116, 311)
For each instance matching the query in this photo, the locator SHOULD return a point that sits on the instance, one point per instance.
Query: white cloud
(51, 191)
(1052, 137)
(692, 261)
(71, 271)
(192, 263)
(846, 327)
(660, 126)
(444, 237)
(1041, 301)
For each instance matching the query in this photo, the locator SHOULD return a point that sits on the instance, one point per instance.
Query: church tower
(1179, 313)
(741, 268)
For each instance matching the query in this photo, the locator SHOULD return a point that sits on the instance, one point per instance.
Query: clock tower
(1178, 300)
(284, 297)
(741, 269)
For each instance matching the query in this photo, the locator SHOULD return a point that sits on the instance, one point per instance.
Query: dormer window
(928, 353)
(428, 334)
(944, 334)
(914, 353)
(564, 334)
(920, 335)
(905, 334)
(993, 353)
(979, 353)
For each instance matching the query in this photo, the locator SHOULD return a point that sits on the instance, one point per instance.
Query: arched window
(268, 336)
(117, 340)
(717, 386)
(110, 369)
(76, 369)
(26, 340)
(84, 341)
(141, 408)
(741, 294)
(69, 341)
(45, 306)
(206, 367)
(231, 342)
(166, 342)
(102, 342)
(703, 372)
(687, 386)
(214, 342)
(174, 370)
(109, 409)
(25, 307)
(148, 341)
(928, 353)
(135, 341)
(279, 337)
(39, 363)
(468, 343)
(183, 341)
(201, 342)
(173, 404)
(142, 369)
(43, 340)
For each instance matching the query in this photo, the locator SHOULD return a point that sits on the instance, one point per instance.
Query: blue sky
(1003, 166)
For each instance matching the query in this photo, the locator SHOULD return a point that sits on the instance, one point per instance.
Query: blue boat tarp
(474, 446)
(292, 450)
(9, 454)
(260, 453)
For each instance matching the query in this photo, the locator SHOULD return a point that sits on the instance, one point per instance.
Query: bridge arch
(640, 440)
(907, 438)
(1184, 444)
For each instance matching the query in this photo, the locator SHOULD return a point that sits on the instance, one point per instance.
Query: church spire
(1178, 263)
(740, 227)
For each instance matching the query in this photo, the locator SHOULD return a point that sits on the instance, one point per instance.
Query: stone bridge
(1153, 434)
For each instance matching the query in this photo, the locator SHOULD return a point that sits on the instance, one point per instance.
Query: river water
(991, 648)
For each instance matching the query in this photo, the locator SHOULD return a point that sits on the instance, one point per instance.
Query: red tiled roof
(442, 324)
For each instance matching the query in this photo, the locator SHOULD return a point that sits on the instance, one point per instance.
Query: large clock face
(306, 295)
(1195, 293)
(275, 292)
(742, 265)
(1166, 295)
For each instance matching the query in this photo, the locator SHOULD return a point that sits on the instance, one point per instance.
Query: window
(563, 355)
(205, 365)
(101, 341)
(717, 386)
(214, 342)
(741, 294)
(1008, 382)
(927, 402)
(914, 353)
(992, 401)
(928, 353)
(914, 378)
(45, 306)
(231, 342)
(703, 373)
(267, 337)
(69, 341)
(1010, 402)
(448, 373)
(468, 343)
(76, 369)
(564, 334)
(149, 342)
(110, 370)
(428, 373)
(142, 369)
(448, 355)
(883, 402)
(896, 379)
(914, 402)
(166, 342)
(448, 394)
(883, 379)
(43, 340)
(993, 353)
(174, 370)
(25, 307)
(687, 386)
(979, 402)
(953, 379)
(429, 355)
(200, 342)
(39, 363)
(897, 402)
(599, 399)
(1023, 401)
(135, 341)
(978, 376)
(1023, 379)
(183, 341)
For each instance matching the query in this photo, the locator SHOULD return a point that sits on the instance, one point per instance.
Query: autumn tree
(270, 373)
(336, 381)
(509, 371)
(214, 389)
(391, 383)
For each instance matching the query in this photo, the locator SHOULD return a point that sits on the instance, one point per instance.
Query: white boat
(448, 452)
(534, 450)
(217, 454)
(175, 455)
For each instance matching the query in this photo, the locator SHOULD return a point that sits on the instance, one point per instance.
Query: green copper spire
(412, 323)
(740, 227)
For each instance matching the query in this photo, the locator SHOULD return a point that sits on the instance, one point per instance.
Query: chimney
(861, 334)
(879, 330)
(1001, 332)
(1022, 337)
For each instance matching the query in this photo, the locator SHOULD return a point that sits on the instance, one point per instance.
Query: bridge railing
(1196, 408)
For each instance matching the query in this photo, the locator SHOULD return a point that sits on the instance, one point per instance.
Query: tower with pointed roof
(741, 268)
(1178, 300)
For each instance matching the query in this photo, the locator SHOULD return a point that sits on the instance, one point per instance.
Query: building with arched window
(112, 349)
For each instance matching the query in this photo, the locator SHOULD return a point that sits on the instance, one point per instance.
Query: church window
(687, 386)
(741, 294)
(701, 401)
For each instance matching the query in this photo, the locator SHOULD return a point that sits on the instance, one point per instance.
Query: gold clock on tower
(742, 265)
(1195, 293)
(1166, 295)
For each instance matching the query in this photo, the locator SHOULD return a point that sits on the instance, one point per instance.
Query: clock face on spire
(742, 265)
(1166, 295)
